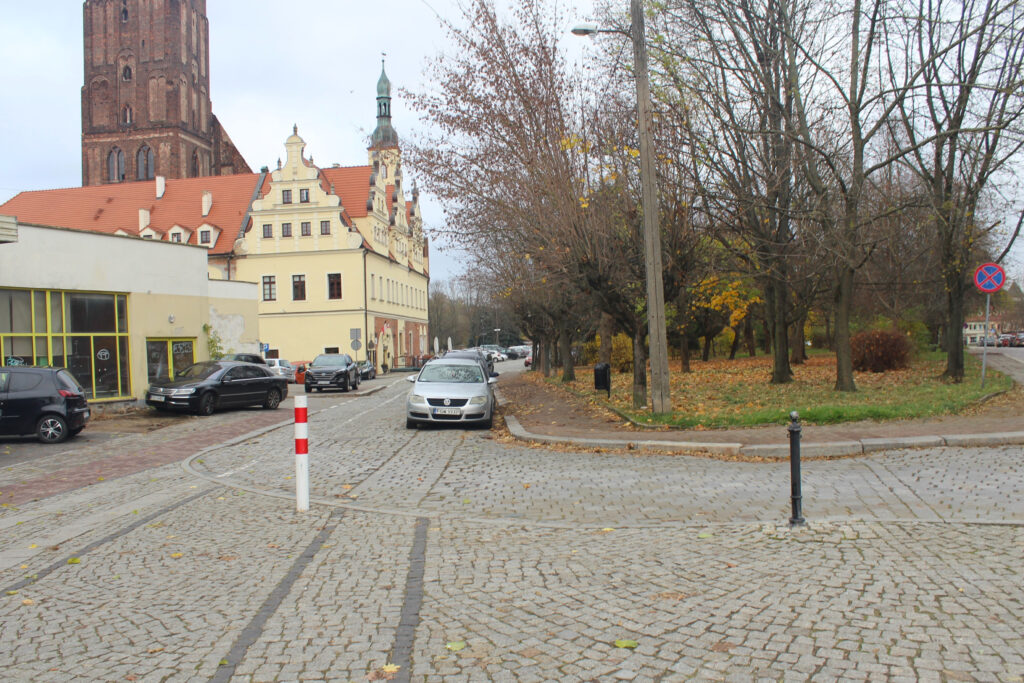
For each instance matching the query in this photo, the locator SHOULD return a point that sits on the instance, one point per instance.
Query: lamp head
(586, 29)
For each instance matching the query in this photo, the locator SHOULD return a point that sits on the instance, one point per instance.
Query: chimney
(207, 202)
(161, 186)
(143, 219)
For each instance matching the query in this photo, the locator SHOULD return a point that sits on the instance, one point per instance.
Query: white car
(281, 368)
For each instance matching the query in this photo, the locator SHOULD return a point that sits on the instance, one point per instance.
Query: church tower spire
(384, 134)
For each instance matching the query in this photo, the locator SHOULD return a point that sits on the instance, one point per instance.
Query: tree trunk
(798, 347)
(777, 307)
(954, 328)
(606, 330)
(735, 343)
(829, 342)
(639, 367)
(706, 353)
(565, 351)
(748, 335)
(684, 354)
(546, 356)
(844, 355)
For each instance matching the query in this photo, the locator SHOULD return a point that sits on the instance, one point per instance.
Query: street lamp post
(496, 331)
(658, 339)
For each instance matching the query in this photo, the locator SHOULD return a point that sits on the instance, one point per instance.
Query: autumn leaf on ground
(626, 644)
(705, 534)
(28, 601)
(154, 650)
(74, 560)
(346, 486)
(176, 555)
(456, 645)
(390, 668)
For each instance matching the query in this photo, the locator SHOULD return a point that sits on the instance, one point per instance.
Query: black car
(367, 370)
(206, 386)
(245, 358)
(47, 402)
(332, 371)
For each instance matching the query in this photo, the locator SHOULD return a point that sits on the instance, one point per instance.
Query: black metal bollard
(794, 469)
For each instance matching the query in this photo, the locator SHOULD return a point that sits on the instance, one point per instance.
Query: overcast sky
(313, 63)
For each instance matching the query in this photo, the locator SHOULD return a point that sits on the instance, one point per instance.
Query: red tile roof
(352, 185)
(109, 208)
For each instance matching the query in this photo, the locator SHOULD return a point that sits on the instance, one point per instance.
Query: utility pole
(657, 337)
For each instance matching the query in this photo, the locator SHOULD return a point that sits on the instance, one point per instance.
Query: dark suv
(332, 371)
(47, 402)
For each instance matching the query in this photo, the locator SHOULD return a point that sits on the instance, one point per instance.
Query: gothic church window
(115, 166)
(126, 73)
(144, 163)
(124, 10)
(194, 166)
(126, 115)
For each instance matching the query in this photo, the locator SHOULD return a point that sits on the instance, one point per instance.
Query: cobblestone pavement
(457, 558)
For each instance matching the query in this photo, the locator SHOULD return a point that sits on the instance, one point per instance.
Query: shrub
(622, 353)
(880, 350)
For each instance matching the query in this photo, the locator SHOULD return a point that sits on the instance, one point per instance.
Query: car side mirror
(495, 374)
(493, 379)
(411, 378)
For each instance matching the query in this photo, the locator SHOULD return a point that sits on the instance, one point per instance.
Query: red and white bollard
(301, 455)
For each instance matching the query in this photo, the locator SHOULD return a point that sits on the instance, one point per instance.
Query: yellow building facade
(339, 255)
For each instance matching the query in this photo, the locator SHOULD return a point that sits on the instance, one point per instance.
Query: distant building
(146, 108)
(338, 253)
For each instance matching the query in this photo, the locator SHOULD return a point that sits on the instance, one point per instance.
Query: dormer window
(204, 236)
(176, 237)
(126, 73)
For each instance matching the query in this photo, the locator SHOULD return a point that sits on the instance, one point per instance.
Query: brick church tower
(146, 107)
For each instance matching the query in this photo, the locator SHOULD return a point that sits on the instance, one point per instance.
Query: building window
(144, 169)
(204, 236)
(286, 196)
(126, 73)
(268, 230)
(298, 287)
(269, 288)
(286, 230)
(194, 165)
(306, 230)
(334, 285)
(325, 227)
(126, 115)
(115, 166)
(124, 11)
(304, 196)
(176, 237)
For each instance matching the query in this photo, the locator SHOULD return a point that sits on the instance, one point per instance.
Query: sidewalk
(991, 428)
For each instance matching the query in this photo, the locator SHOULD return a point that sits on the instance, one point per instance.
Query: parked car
(47, 402)
(210, 385)
(332, 371)
(476, 354)
(992, 340)
(448, 390)
(245, 358)
(1007, 340)
(282, 368)
(367, 370)
(529, 360)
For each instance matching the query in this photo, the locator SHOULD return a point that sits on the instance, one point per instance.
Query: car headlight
(478, 400)
(187, 391)
(417, 400)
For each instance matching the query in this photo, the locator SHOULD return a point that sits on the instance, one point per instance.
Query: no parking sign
(989, 278)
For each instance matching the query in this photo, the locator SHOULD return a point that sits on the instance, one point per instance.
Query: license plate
(154, 397)
(323, 381)
(447, 411)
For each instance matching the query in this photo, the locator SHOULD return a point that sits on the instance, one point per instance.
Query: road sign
(989, 278)
(356, 344)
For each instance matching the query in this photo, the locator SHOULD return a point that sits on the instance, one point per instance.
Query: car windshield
(454, 374)
(199, 371)
(321, 361)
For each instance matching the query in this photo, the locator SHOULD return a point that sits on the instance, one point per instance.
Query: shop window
(167, 357)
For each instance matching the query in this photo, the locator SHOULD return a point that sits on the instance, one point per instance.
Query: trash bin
(603, 377)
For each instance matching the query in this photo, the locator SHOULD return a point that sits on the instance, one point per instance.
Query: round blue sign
(989, 278)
